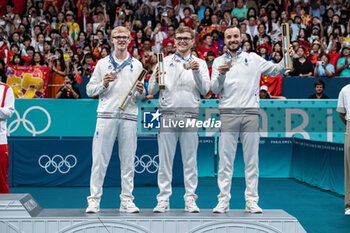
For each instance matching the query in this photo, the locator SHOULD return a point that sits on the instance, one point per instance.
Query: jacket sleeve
(217, 79)
(201, 78)
(9, 105)
(269, 68)
(95, 85)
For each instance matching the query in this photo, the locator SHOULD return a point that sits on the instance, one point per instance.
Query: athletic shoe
(94, 205)
(222, 207)
(162, 206)
(347, 212)
(252, 207)
(190, 205)
(128, 207)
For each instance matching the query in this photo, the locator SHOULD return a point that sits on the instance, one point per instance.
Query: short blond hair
(120, 29)
(184, 29)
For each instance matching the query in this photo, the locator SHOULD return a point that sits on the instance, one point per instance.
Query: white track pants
(167, 145)
(246, 127)
(107, 130)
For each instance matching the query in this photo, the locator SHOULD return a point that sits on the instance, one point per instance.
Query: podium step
(19, 213)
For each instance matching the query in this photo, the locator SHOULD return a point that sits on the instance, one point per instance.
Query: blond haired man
(186, 78)
(111, 80)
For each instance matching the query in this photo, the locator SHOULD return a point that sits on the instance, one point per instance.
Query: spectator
(208, 46)
(58, 70)
(17, 60)
(315, 34)
(38, 44)
(263, 51)
(187, 18)
(227, 17)
(170, 37)
(335, 24)
(68, 90)
(265, 94)
(252, 28)
(303, 40)
(26, 43)
(314, 56)
(84, 18)
(218, 42)
(273, 30)
(334, 54)
(38, 59)
(296, 26)
(209, 60)
(259, 38)
(323, 68)
(206, 21)
(343, 62)
(302, 66)
(169, 48)
(276, 56)
(201, 7)
(240, 11)
(247, 46)
(319, 89)
(158, 36)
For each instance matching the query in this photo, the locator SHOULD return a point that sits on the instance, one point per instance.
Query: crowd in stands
(70, 36)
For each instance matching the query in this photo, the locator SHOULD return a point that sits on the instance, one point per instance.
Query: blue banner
(308, 119)
(274, 158)
(319, 163)
(67, 162)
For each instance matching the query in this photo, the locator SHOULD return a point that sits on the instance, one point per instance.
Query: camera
(54, 57)
(321, 63)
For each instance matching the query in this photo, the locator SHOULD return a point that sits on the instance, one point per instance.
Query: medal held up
(161, 81)
(132, 90)
(288, 64)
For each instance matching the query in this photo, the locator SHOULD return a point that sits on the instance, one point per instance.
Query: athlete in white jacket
(112, 122)
(7, 108)
(180, 100)
(236, 77)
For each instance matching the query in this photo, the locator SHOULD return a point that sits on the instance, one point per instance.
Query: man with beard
(236, 77)
(186, 78)
(111, 80)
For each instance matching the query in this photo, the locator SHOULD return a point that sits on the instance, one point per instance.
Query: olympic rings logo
(146, 163)
(28, 125)
(63, 165)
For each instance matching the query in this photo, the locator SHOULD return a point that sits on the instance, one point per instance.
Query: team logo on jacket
(151, 120)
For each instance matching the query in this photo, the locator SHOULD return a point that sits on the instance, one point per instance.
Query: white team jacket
(111, 98)
(7, 108)
(239, 87)
(182, 87)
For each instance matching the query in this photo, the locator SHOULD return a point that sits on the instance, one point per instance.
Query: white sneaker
(222, 207)
(94, 205)
(347, 211)
(128, 207)
(162, 206)
(252, 207)
(191, 206)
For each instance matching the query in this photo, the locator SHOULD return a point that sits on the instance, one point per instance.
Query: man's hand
(139, 87)
(223, 69)
(107, 79)
(194, 65)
